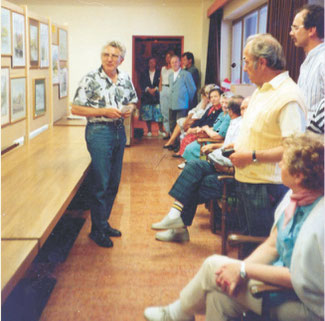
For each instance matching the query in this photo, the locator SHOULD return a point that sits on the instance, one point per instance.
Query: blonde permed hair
(304, 154)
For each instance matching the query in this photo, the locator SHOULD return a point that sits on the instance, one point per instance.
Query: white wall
(90, 26)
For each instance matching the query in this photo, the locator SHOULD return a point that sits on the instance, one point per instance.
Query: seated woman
(218, 131)
(184, 123)
(291, 257)
(208, 119)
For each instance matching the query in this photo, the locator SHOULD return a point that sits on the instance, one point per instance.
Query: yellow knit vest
(260, 129)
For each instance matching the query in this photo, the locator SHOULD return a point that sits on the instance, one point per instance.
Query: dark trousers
(258, 203)
(174, 115)
(105, 143)
(197, 184)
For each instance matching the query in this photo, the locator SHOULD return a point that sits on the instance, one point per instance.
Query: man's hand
(112, 113)
(128, 113)
(241, 159)
(228, 278)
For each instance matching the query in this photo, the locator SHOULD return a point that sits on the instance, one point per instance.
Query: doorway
(151, 46)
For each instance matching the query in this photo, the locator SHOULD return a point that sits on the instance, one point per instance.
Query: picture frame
(55, 65)
(5, 96)
(18, 40)
(17, 99)
(63, 90)
(39, 97)
(44, 45)
(63, 44)
(5, 32)
(33, 43)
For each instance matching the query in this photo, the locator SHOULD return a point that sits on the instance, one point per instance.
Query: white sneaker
(167, 223)
(149, 134)
(161, 314)
(174, 235)
(182, 165)
(157, 314)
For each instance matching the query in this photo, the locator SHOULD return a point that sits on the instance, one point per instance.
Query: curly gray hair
(115, 44)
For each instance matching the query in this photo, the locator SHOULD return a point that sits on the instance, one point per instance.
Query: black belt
(115, 122)
(166, 85)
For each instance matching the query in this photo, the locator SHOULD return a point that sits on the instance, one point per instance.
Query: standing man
(307, 32)
(188, 64)
(105, 96)
(276, 110)
(182, 91)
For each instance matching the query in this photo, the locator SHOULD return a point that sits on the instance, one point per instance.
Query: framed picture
(55, 65)
(39, 97)
(33, 43)
(5, 32)
(44, 45)
(18, 39)
(63, 90)
(63, 44)
(5, 105)
(18, 99)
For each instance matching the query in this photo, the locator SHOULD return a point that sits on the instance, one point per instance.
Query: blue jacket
(182, 90)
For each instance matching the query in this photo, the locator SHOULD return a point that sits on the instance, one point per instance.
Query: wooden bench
(39, 181)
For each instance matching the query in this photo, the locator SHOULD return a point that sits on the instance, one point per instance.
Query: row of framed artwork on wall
(34, 71)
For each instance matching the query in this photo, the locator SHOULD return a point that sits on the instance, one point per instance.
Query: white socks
(175, 210)
(176, 312)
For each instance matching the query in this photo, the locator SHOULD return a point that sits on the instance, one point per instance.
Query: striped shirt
(312, 79)
(317, 122)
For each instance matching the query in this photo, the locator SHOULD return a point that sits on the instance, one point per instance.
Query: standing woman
(150, 108)
(164, 91)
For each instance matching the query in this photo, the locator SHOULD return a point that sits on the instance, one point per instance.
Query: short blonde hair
(304, 154)
(115, 44)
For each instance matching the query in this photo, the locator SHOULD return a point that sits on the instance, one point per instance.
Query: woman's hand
(207, 149)
(228, 278)
(241, 159)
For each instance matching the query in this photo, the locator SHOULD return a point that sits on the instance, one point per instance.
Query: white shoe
(157, 314)
(167, 223)
(174, 235)
(161, 314)
(163, 134)
(149, 134)
(182, 165)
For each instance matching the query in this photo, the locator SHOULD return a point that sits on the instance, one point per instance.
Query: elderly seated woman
(184, 123)
(219, 129)
(292, 256)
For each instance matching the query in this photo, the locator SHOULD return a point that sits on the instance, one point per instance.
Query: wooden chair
(204, 141)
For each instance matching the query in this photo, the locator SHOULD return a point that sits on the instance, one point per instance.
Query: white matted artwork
(55, 65)
(44, 45)
(39, 97)
(63, 44)
(5, 32)
(18, 99)
(18, 40)
(63, 90)
(5, 104)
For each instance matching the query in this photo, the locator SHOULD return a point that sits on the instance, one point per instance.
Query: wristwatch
(254, 156)
(242, 271)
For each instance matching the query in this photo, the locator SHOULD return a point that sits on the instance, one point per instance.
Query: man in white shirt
(307, 32)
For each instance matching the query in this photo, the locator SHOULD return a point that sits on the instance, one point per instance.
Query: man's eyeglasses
(106, 55)
(296, 28)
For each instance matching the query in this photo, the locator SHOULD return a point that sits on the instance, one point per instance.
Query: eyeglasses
(296, 28)
(107, 55)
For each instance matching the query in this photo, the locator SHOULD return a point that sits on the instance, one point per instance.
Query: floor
(117, 284)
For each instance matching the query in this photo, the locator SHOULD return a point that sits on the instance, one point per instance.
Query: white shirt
(312, 78)
(176, 73)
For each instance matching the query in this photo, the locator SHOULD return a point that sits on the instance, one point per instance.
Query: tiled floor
(117, 284)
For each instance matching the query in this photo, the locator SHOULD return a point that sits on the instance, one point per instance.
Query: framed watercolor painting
(5, 92)
(44, 45)
(5, 32)
(33, 43)
(55, 65)
(63, 90)
(63, 44)
(39, 97)
(18, 40)
(17, 99)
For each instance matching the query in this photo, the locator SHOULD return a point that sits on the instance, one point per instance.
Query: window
(250, 24)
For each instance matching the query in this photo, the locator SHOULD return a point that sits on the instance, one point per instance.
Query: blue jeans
(105, 143)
